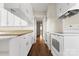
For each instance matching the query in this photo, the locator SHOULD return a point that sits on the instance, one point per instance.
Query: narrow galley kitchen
(39, 29)
(16, 29)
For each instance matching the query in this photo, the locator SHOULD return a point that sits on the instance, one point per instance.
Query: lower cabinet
(65, 44)
(20, 46)
(4, 47)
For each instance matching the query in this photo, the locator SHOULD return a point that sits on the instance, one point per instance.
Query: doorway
(40, 28)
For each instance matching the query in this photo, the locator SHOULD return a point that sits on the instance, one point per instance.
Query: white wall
(53, 24)
(71, 21)
(51, 17)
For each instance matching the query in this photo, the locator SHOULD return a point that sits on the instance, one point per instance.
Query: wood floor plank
(39, 49)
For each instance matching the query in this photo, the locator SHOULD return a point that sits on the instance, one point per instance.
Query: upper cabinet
(63, 7)
(3, 17)
(9, 19)
(22, 10)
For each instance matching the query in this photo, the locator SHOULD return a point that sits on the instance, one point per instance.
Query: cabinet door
(14, 46)
(3, 17)
(25, 45)
(17, 21)
(10, 19)
(0, 17)
(23, 22)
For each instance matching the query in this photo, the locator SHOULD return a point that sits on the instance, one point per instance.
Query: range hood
(71, 12)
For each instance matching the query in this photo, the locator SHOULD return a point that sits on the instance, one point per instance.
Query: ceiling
(40, 10)
(40, 7)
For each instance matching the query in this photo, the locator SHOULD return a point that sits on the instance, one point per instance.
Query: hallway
(39, 49)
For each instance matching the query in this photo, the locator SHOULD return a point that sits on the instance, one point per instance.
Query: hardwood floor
(39, 49)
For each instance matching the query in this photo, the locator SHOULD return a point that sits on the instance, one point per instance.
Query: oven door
(57, 45)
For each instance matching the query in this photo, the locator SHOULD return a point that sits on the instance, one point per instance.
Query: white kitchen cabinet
(4, 47)
(3, 17)
(10, 19)
(22, 10)
(1, 14)
(71, 45)
(48, 40)
(20, 46)
(24, 23)
(17, 21)
(26, 44)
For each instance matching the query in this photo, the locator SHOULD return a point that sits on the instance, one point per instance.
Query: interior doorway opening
(40, 29)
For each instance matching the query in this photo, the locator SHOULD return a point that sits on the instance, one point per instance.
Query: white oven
(57, 44)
